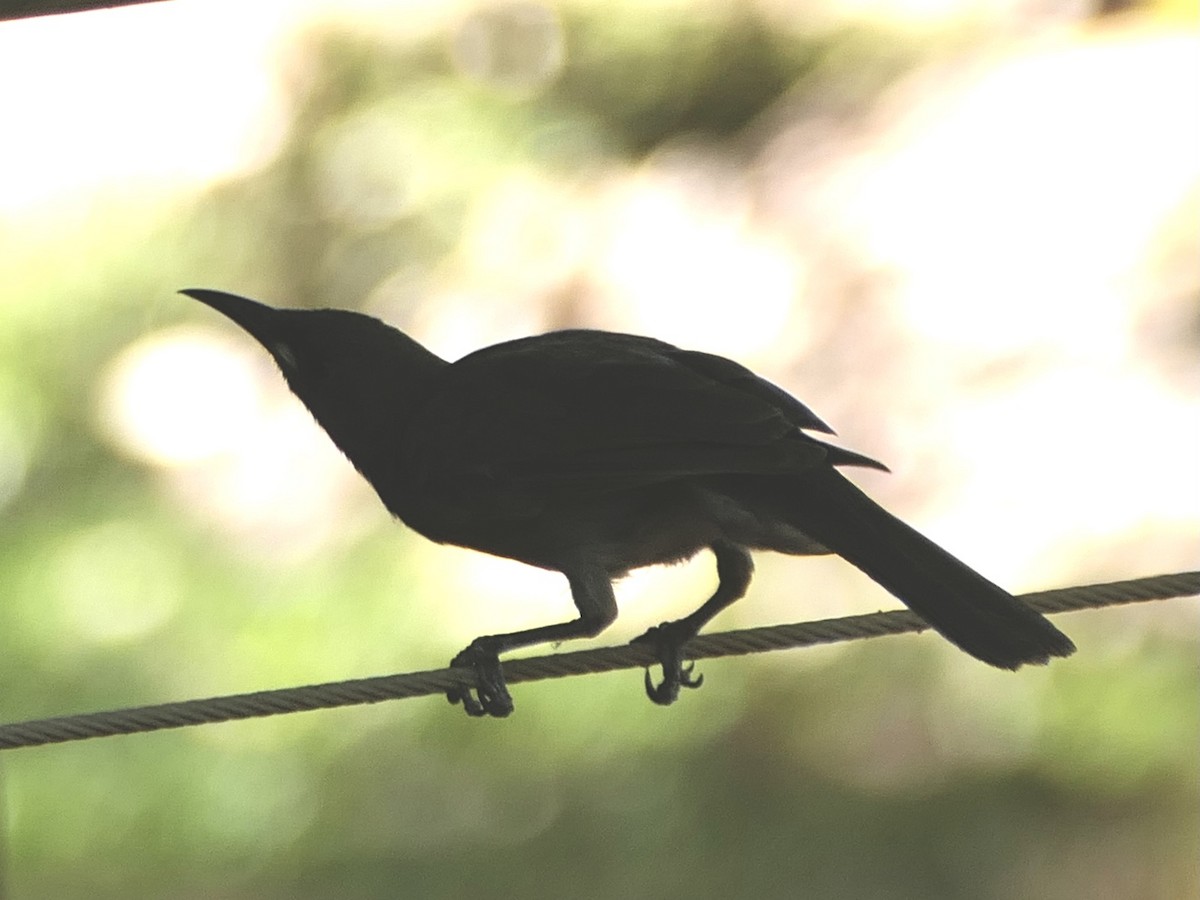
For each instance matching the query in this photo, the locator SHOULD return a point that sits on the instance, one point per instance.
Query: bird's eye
(285, 356)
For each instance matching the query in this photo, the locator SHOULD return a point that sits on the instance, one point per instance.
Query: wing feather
(580, 412)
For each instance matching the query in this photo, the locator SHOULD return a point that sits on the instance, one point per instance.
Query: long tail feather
(967, 609)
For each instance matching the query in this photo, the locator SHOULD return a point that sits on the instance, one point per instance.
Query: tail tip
(1058, 645)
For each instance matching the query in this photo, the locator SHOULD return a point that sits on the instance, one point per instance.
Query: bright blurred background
(966, 232)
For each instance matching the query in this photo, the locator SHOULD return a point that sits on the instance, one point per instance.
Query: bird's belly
(619, 531)
(616, 531)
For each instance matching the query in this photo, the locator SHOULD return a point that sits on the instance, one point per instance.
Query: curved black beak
(254, 317)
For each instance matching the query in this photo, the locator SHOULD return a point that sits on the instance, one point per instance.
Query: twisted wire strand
(580, 662)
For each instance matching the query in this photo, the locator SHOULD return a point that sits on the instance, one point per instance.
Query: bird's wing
(584, 412)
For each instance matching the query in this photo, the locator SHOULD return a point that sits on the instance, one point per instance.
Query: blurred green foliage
(856, 775)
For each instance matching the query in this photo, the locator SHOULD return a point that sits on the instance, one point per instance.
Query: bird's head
(352, 371)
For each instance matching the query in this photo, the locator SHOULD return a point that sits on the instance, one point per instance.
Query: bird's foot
(668, 641)
(489, 696)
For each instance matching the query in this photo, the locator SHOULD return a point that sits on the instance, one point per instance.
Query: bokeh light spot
(515, 45)
(179, 396)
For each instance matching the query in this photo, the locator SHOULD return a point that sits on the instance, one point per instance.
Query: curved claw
(685, 676)
(656, 692)
(490, 696)
(466, 697)
(669, 647)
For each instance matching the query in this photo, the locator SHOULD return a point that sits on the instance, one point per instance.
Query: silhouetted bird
(592, 453)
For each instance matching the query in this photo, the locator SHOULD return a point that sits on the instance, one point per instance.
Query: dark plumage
(593, 453)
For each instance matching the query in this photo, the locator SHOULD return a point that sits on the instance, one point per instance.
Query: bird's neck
(368, 419)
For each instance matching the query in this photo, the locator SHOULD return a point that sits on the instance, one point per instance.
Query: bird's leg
(734, 568)
(592, 592)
